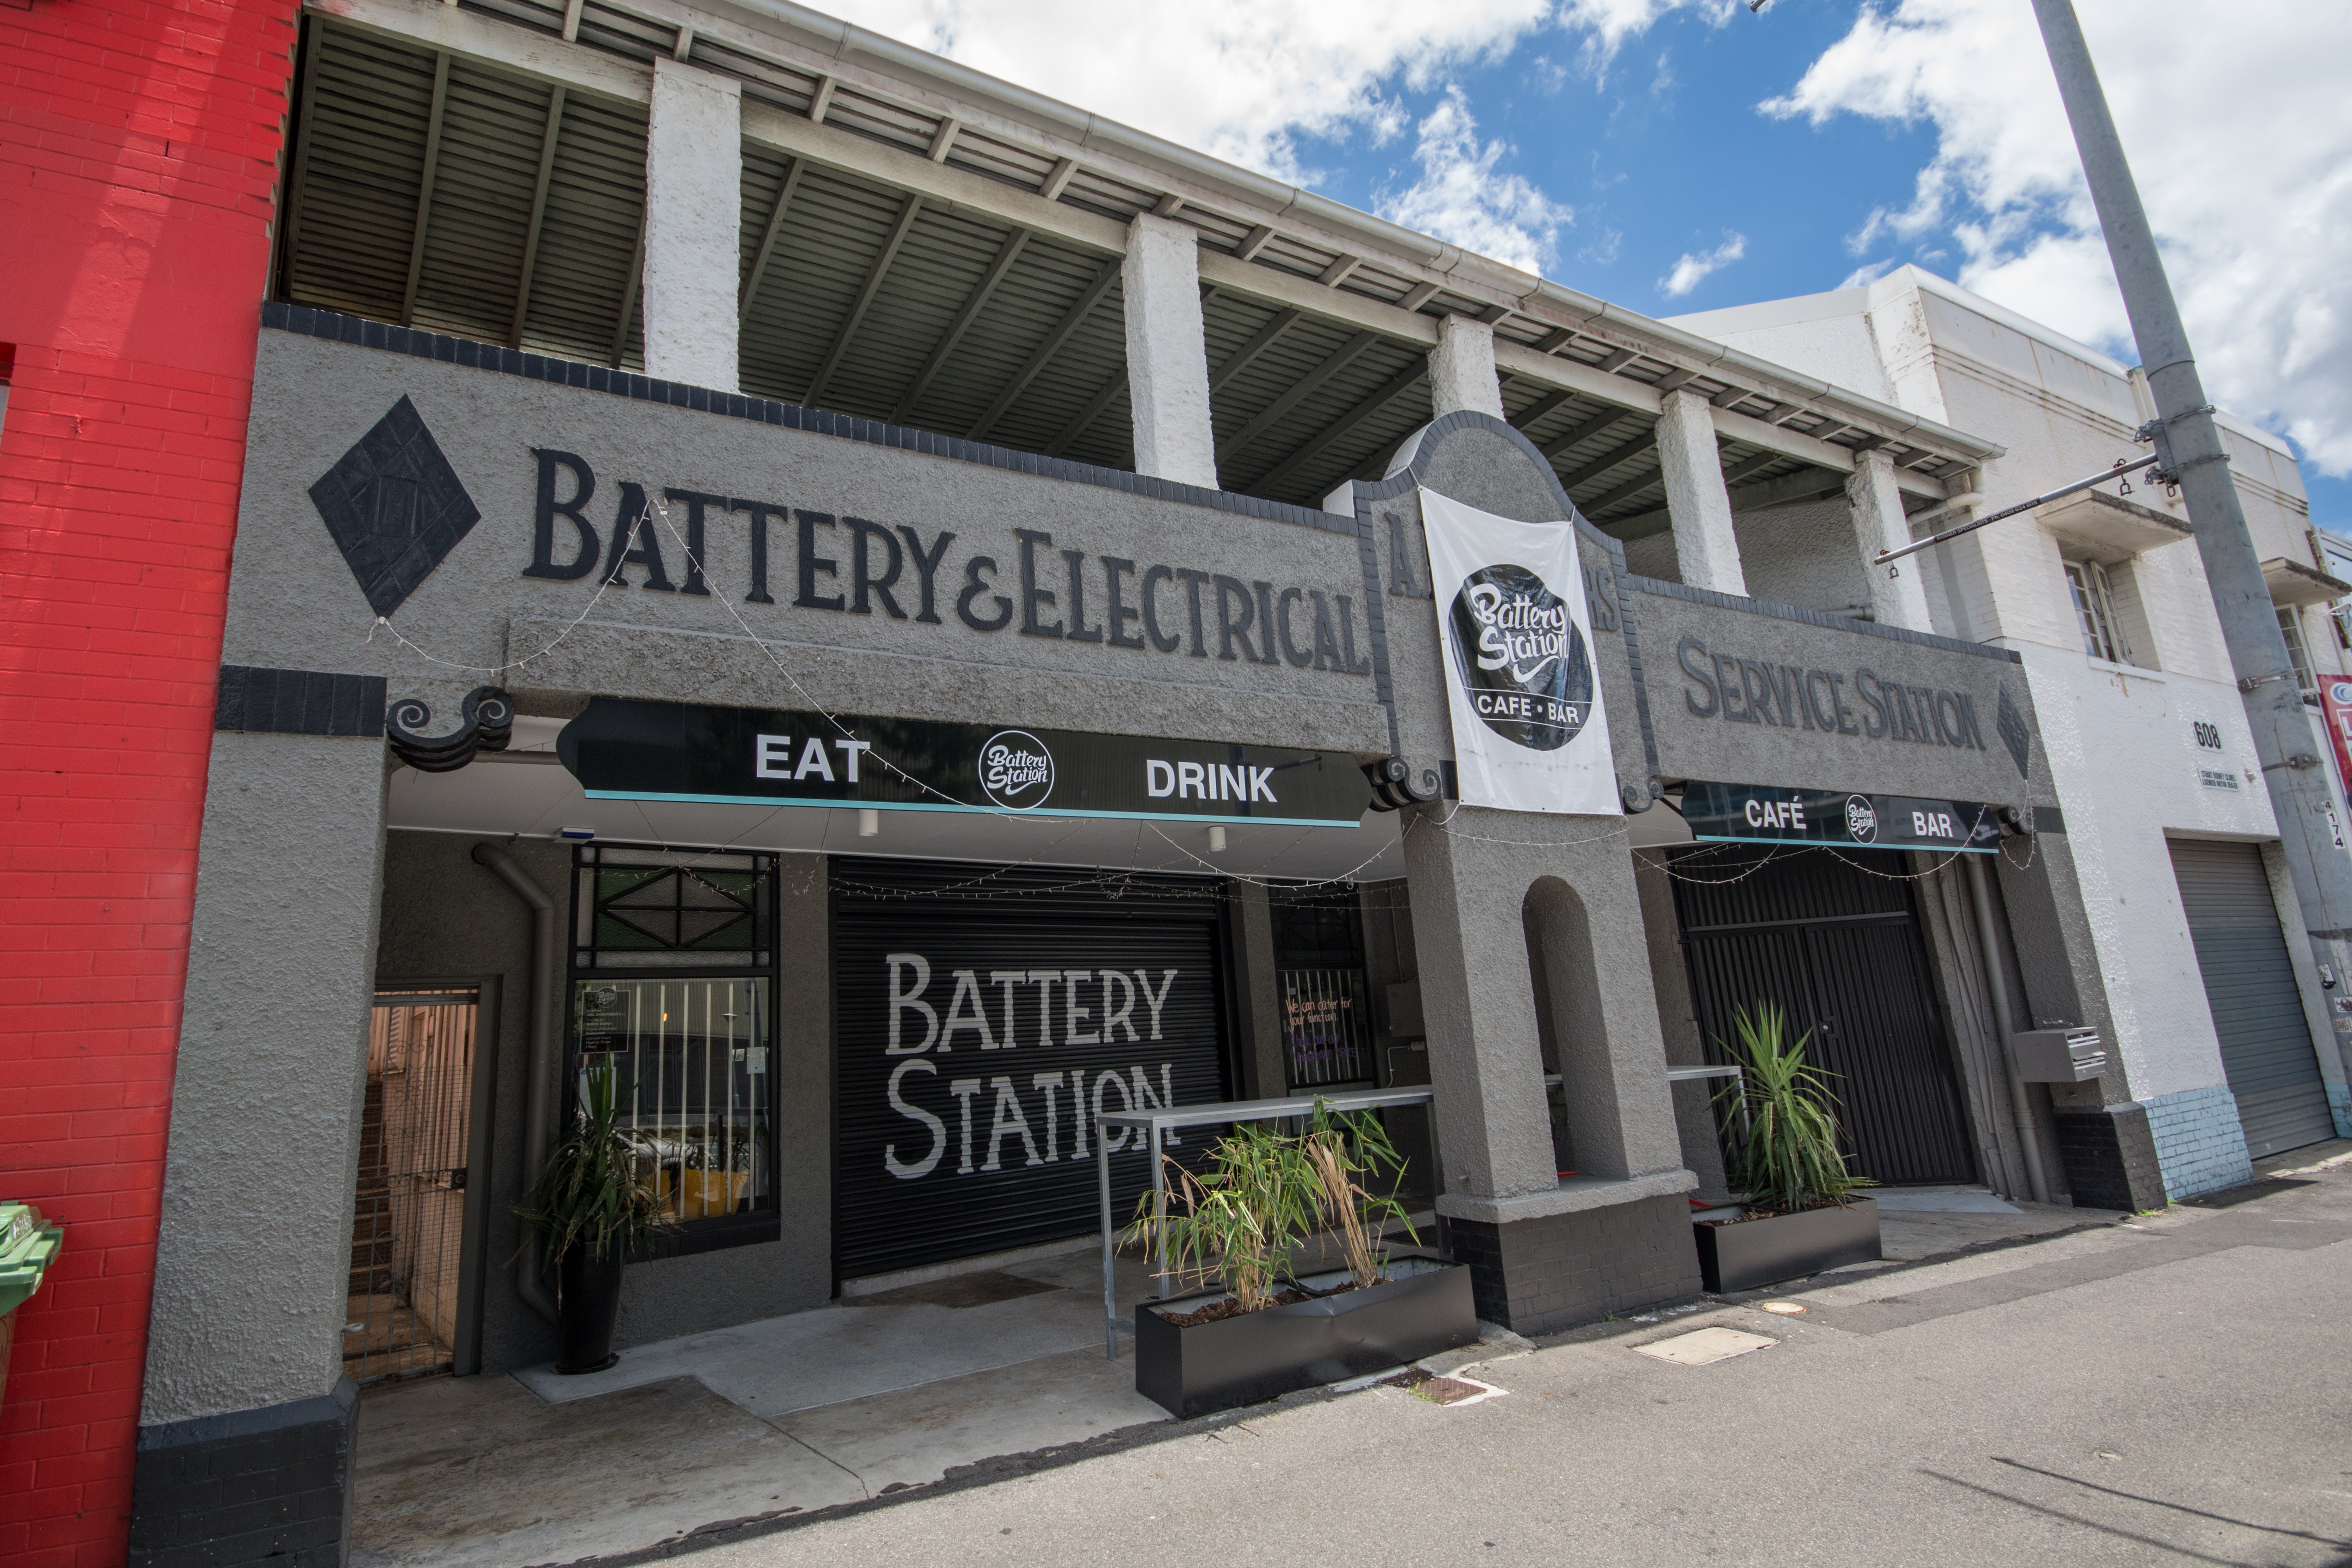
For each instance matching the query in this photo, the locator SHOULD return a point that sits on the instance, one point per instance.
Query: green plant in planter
(1790, 1160)
(1346, 1152)
(597, 1188)
(1261, 1194)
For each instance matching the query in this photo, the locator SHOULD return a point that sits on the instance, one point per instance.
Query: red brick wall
(138, 143)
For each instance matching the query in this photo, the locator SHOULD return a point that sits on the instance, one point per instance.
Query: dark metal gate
(981, 1015)
(2266, 1051)
(1840, 949)
(409, 1221)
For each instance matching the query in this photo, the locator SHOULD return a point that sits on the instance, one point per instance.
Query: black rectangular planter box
(1753, 1252)
(1261, 1355)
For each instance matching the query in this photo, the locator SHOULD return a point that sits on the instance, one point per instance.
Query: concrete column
(1900, 599)
(1705, 551)
(254, 1259)
(1264, 1075)
(694, 217)
(245, 1368)
(1166, 359)
(1462, 369)
(1477, 1001)
(1496, 898)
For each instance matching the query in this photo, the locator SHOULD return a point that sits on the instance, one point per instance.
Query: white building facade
(2223, 1028)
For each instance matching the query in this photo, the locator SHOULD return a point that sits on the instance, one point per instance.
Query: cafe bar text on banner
(1529, 731)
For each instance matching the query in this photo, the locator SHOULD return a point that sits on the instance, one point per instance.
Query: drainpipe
(2005, 1020)
(530, 1281)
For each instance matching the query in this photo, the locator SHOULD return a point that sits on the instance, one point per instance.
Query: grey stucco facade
(1535, 941)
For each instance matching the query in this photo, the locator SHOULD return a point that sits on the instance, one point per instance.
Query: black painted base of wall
(272, 1485)
(2110, 1159)
(1535, 1275)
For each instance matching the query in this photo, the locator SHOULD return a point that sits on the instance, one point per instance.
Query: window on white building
(2094, 594)
(2290, 621)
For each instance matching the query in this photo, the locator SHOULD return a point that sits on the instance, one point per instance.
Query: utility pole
(2191, 453)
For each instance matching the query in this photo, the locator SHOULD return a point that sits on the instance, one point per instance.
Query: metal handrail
(1152, 1123)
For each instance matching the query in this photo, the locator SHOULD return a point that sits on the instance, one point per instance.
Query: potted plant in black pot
(1801, 1215)
(595, 1205)
(1268, 1328)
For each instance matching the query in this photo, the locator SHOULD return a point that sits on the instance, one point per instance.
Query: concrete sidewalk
(2171, 1388)
(985, 1373)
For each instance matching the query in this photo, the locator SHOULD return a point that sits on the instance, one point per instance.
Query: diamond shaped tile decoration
(394, 507)
(2011, 724)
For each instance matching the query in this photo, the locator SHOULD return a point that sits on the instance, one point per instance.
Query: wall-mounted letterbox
(2059, 1056)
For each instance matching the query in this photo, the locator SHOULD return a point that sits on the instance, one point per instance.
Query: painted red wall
(139, 147)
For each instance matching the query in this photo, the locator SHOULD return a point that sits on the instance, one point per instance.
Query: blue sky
(1608, 142)
(1666, 155)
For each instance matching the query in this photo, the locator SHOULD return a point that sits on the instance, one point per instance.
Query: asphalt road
(2173, 1392)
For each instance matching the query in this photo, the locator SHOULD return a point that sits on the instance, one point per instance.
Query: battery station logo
(1016, 771)
(1861, 818)
(1522, 663)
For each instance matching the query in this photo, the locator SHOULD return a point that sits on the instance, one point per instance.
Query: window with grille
(673, 975)
(2094, 595)
(1326, 1023)
(2290, 620)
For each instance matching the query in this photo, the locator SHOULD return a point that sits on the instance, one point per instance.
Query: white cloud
(1868, 272)
(2244, 163)
(1240, 80)
(1694, 269)
(1461, 199)
(1607, 24)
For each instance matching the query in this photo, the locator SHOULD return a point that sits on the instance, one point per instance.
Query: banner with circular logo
(1529, 729)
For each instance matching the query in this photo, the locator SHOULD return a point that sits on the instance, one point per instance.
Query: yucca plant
(597, 1188)
(1789, 1159)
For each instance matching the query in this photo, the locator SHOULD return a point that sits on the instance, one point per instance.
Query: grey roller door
(1024, 1000)
(2250, 985)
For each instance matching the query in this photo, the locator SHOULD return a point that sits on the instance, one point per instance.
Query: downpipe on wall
(538, 1122)
(2004, 1017)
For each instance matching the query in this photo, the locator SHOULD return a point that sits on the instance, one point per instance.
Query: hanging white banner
(1529, 734)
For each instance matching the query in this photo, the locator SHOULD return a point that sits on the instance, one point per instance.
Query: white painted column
(1462, 369)
(1705, 550)
(1900, 599)
(694, 217)
(1167, 358)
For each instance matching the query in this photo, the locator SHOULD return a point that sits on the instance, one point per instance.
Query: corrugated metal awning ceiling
(434, 191)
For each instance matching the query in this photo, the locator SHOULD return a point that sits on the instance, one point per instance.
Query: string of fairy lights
(1681, 863)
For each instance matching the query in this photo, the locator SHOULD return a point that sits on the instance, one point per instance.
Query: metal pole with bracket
(2191, 453)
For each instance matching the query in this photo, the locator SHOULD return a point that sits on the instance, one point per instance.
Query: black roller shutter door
(2250, 985)
(976, 1154)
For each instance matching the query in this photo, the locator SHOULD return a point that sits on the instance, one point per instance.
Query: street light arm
(1916, 545)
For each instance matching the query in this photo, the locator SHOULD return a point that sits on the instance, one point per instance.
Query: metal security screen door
(1839, 948)
(1327, 1019)
(2250, 985)
(409, 1220)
